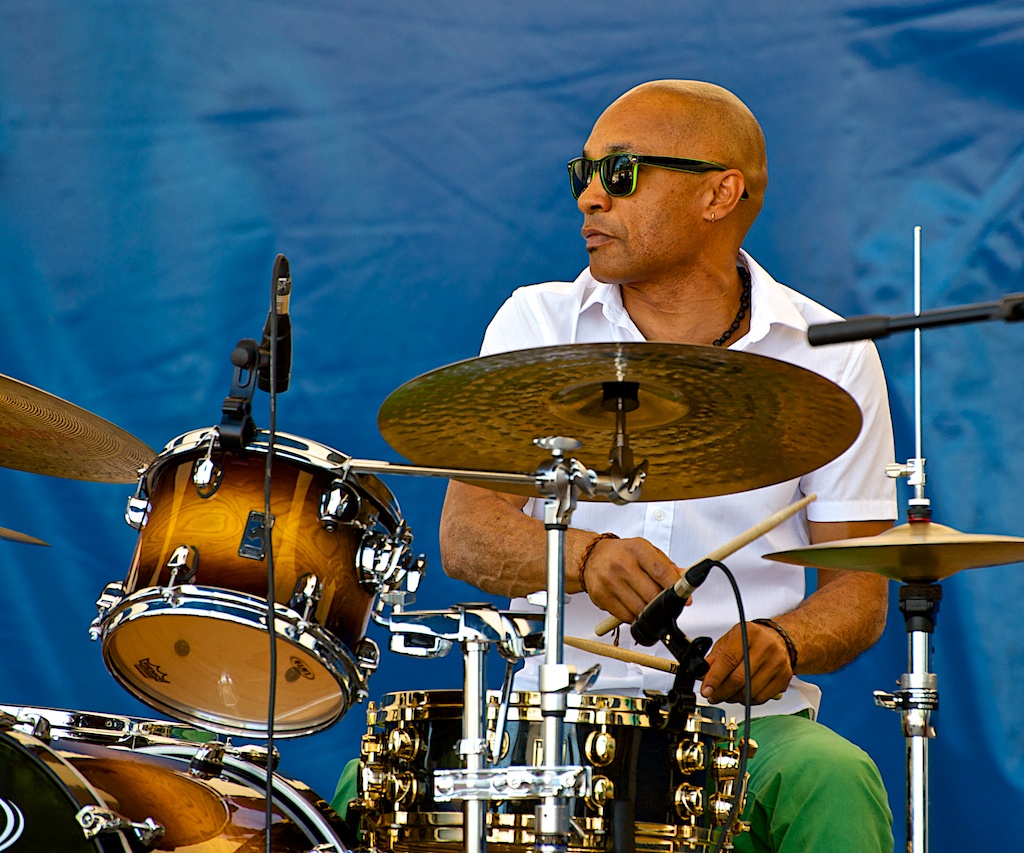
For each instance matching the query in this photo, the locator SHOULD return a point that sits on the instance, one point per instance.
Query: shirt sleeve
(854, 486)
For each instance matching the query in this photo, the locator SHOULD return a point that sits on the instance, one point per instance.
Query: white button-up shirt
(853, 487)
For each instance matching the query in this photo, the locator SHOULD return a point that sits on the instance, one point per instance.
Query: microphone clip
(237, 428)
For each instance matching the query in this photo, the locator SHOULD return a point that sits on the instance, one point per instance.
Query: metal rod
(916, 348)
(373, 466)
(474, 812)
(918, 731)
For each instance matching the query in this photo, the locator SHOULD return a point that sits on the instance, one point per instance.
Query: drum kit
(240, 529)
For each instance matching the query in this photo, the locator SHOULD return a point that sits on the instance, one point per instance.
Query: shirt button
(659, 515)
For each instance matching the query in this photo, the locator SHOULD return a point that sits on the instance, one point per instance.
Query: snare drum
(186, 632)
(672, 790)
(74, 782)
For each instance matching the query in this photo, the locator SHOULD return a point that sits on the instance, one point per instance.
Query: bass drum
(73, 781)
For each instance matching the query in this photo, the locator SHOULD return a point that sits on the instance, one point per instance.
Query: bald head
(710, 123)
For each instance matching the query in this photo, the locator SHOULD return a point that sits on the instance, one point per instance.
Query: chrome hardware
(136, 513)
(208, 762)
(112, 594)
(95, 820)
(184, 559)
(207, 474)
(306, 595)
(512, 783)
(258, 755)
(367, 654)
(339, 504)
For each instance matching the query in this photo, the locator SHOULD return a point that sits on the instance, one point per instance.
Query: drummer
(664, 238)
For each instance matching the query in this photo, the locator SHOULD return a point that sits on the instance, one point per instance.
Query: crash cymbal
(14, 536)
(44, 434)
(920, 552)
(710, 421)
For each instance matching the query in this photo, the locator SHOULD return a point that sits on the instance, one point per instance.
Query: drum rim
(381, 496)
(254, 776)
(328, 650)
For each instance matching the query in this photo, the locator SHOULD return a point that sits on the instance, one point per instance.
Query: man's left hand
(770, 672)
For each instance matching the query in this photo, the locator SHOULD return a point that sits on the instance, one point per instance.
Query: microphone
(281, 281)
(665, 608)
(856, 329)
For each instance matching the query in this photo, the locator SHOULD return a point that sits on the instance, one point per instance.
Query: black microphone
(856, 329)
(664, 609)
(281, 281)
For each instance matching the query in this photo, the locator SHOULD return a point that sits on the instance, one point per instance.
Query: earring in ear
(712, 216)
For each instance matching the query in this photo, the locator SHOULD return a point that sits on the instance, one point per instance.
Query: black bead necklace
(744, 307)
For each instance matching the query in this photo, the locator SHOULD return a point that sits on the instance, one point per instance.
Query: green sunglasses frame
(676, 164)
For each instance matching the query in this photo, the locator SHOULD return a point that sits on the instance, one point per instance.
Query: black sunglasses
(618, 171)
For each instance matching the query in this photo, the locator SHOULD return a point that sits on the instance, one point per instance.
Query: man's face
(650, 235)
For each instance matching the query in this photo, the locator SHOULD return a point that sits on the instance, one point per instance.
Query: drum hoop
(287, 795)
(292, 448)
(238, 608)
(583, 709)
(109, 729)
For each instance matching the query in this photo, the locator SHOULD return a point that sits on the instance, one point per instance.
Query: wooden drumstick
(728, 548)
(626, 655)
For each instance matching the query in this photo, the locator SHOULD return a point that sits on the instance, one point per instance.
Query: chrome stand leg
(474, 744)
(916, 698)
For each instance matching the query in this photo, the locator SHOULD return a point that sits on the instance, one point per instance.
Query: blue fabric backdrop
(409, 159)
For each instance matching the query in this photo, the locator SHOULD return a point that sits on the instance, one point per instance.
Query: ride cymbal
(710, 421)
(44, 434)
(14, 536)
(920, 552)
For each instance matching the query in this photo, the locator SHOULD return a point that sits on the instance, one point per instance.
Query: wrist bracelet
(581, 571)
(778, 629)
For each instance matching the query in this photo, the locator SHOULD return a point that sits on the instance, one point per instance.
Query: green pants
(811, 791)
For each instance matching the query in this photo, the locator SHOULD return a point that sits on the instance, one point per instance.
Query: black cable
(747, 694)
(268, 524)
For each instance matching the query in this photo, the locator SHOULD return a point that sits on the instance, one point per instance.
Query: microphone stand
(873, 326)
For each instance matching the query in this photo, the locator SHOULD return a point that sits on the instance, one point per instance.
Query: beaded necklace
(744, 307)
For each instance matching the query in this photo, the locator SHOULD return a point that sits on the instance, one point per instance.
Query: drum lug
(207, 474)
(306, 595)
(108, 600)
(185, 560)
(136, 513)
(367, 656)
(95, 820)
(208, 762)
(32, 724)
(339, 504)
(259, 756)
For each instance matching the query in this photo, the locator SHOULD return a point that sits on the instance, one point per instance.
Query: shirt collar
(770, 302)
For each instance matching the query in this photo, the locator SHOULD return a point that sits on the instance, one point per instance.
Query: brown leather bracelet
(591, 545)
(778, 629)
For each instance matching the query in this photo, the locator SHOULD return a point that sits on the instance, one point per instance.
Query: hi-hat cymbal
(710, 421)
(921, 551)
(44, 434)
(14, 536)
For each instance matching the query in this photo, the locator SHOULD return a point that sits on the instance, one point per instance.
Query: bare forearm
(487, 541)
(836, 623)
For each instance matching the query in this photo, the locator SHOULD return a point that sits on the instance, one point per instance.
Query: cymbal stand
(918, 693)
(559, 480)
